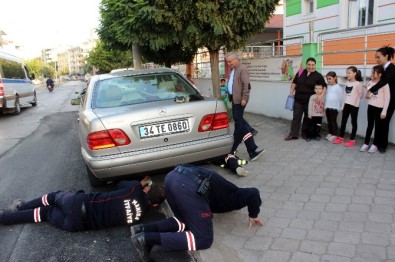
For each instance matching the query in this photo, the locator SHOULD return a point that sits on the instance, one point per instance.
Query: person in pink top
(378, 103)
(353, 95)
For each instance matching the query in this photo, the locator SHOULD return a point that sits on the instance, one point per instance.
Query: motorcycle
(50, 87)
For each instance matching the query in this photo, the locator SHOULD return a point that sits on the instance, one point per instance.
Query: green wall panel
(323, 3)
(294, 7)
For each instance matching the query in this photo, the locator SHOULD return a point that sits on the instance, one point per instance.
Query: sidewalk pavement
(320, 202)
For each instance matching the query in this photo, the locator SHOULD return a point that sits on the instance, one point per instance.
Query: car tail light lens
(107, 139)
(214, 122)
(1, 88)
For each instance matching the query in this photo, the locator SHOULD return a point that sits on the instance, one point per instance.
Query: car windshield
(136, 89)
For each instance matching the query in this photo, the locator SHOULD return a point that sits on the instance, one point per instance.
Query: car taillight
(214, 122)
(107, 139)
(1, 88)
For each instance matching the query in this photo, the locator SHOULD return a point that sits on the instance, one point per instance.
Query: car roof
(134, 73)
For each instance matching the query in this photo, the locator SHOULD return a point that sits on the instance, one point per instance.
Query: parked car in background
(132, 122)
(16, 87)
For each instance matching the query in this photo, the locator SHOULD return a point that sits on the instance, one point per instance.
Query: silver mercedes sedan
(132, 122)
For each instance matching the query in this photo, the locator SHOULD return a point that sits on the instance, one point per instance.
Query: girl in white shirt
(333, 104)
(377, 111)
(352, 97)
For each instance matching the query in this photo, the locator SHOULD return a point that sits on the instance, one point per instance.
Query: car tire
(34, 103)
(17, 109)
(93, 180)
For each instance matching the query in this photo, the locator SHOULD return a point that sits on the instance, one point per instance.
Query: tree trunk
(136, 57)
(214, 63)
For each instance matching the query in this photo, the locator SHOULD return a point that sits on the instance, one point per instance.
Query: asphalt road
(39, 153)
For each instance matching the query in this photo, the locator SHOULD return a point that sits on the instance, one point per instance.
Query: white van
(16, 87)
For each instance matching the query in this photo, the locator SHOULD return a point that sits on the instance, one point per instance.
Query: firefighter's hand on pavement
(253, 221)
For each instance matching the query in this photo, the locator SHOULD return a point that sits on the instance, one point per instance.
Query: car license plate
(161, 129)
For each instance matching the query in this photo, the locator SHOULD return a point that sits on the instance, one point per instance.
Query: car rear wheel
(17, 109)
(93, 180)
(34, 103)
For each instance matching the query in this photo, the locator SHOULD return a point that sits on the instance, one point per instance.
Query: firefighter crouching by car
(193, 194)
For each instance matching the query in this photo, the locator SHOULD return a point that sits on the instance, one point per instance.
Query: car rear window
(136, 89)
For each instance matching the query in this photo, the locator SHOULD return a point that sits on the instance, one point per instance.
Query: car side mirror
(32, 77)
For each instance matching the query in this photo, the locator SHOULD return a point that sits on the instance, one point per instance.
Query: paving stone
(355, 216)
(315, 247)
(320, 198)
(336, 216)
(307, 214)
(378, 208)
(381, 217)
(347, 237)
(336, 207)
(258, 243)
(341, 249)
(320, 235)
(380, 239)
(341, 199)
(299, 197)
(304, 257)
(375, 253)
(344, 191)
(283, 244)
(294, 233)
(366, 200)
(332, 258)
(377, 227)
(275, 256)
(278, 222)
(268, 231)
(328, 225)
(358, 208)
(301, 223)
(351, 226)
(391, 252)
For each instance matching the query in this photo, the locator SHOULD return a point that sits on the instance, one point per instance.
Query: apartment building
(341, 32)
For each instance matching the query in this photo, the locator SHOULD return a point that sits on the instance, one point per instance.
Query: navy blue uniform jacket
(124, 206)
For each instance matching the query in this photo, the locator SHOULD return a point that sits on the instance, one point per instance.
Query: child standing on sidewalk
(315, 114)
(377, 110)
(353, 95)
(333, 104)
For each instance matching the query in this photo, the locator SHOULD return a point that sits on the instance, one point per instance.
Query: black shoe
(134, 230)
(14, 207)
(138, 242)
(317, 138)
(256, 154)
(308, 139)
(289, 138)
(254, 132)
(1, 216)
(382, 150)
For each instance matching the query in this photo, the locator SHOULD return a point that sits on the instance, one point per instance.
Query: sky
(41, 24)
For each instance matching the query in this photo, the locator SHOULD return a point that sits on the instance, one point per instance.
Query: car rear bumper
(111, 166)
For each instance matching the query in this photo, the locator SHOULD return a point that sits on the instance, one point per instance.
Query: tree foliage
(105, 60)
(156, 26)
(35, 66)
(159, 25)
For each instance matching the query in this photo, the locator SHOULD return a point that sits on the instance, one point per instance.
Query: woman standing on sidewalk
(302, 88)
(383, 57)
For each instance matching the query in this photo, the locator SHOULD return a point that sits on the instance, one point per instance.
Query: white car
(16, 87)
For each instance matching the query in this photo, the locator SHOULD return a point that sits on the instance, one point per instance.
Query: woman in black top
(383, 57)
(302, 88)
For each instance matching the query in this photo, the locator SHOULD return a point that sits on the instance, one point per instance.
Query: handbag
(289, 104)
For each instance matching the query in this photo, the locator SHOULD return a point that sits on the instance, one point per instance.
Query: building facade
(341, 32)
